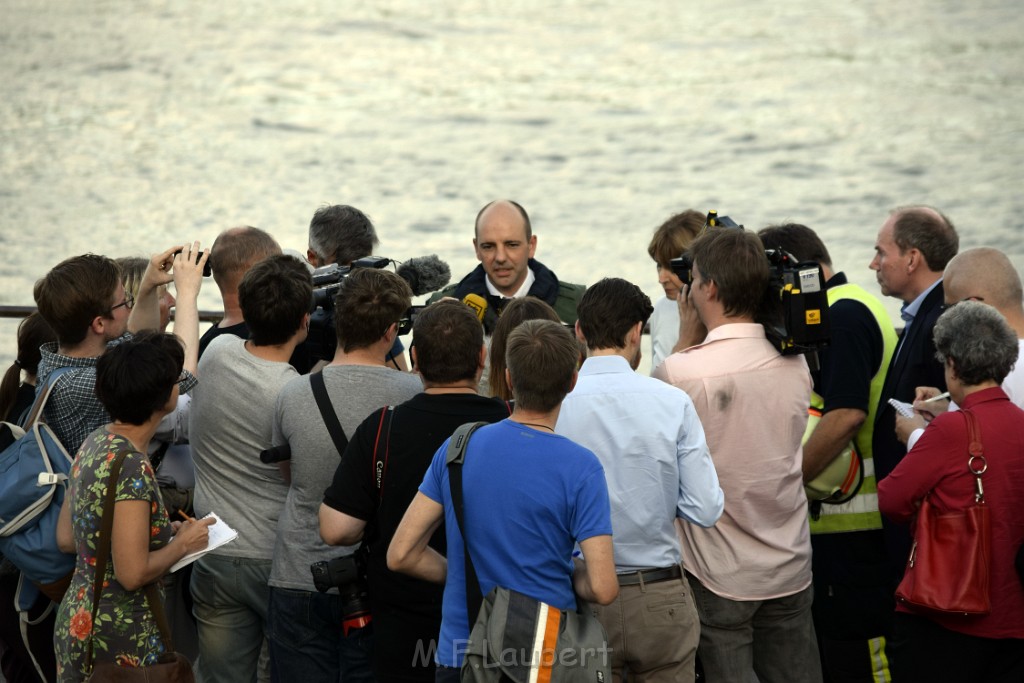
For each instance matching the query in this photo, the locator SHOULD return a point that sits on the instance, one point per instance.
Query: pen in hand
(943, 395)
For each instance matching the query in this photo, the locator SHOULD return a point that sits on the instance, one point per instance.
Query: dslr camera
(797, 320)
(348, 575)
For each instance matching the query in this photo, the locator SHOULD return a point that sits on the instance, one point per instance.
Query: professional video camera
(799, 322)
(348, 575)
(424, 274)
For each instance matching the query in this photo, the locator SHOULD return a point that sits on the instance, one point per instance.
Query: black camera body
(800, 287)
(327, 279)
(799, 322)
(682, 266)
(336, 573)
(423, 274)
(322, 339)
(348, 574)
(207, 271)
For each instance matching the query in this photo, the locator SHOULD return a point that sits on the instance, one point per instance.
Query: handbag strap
(156, 605)
(323, 402)
(454, 458)
(976, 462)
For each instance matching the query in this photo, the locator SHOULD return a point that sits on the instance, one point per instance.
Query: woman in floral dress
(137, 382)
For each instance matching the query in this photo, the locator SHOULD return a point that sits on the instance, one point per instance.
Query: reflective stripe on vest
(861, 512)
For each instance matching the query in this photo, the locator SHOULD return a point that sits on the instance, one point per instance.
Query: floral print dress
(123, 629)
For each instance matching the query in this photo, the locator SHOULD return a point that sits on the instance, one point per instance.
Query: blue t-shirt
(529, 498)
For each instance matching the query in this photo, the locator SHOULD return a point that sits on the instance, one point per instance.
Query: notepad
(220, 533)
(904, 409)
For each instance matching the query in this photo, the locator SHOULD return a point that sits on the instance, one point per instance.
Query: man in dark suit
(912, 249)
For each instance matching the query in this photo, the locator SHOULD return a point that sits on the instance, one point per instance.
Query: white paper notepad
(220, 533)
(904, 409)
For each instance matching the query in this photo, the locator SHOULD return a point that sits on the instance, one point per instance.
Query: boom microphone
(425, 274)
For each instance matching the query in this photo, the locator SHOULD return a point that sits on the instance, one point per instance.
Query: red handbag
(949, 566)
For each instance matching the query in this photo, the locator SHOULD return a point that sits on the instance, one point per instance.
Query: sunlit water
(127, 127)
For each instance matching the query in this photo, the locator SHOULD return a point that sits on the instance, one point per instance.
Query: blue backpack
(34, 470)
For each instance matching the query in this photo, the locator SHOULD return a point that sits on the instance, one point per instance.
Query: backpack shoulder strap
(35, 413)
(454, 458)
(323, 402)
(456, 452)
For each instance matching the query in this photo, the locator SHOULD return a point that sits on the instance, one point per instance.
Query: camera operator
(853, 601)
(314, 636)
(362, 505)
(338, 234)
(751, 573)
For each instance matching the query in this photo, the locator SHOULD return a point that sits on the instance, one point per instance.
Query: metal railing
(19, 312)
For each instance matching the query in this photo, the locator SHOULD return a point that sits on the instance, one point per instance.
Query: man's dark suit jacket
(914, 365)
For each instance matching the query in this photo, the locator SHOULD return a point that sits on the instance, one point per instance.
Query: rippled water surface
(125, 127)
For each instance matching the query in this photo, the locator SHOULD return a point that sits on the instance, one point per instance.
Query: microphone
(487, 315)
(477, 304)
(425, 274)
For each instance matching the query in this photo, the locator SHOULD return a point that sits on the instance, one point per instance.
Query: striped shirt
(73, 411)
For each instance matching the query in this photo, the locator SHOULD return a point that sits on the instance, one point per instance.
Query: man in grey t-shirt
(230, 423)
(309, 638)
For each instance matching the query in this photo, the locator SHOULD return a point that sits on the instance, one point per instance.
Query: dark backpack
(34, 470)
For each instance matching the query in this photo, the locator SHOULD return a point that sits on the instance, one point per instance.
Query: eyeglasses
(946, 307)
(128, 302)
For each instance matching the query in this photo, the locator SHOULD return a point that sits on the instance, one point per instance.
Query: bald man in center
(505, 245)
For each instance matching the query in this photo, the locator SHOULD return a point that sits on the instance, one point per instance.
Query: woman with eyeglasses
(978, 348)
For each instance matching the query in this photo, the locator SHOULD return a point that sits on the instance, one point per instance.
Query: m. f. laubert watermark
(513, 657)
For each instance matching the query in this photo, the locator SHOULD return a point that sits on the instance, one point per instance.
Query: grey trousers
(771, 641)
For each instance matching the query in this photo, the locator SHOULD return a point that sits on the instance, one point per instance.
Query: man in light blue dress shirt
(650, 441)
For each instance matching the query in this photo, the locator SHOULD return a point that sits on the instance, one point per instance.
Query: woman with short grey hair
(979, 339)
(978, 349)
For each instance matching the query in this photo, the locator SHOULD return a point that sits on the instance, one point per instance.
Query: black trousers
(921, 650)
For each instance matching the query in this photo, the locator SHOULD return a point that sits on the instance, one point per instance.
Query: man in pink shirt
(751, 572)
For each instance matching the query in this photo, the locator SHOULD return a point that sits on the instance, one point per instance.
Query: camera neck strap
(380, 463)
(323, 402)
(454, 458)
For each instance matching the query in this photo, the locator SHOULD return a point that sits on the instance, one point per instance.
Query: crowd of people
(672, 507)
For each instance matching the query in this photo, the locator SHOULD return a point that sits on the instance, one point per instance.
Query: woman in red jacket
(978, 349)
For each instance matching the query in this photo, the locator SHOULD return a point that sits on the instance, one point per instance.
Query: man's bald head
(985, 274)
(235, 251)
(504, 209)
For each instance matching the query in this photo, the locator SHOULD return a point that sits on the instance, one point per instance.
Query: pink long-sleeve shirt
(752, 403)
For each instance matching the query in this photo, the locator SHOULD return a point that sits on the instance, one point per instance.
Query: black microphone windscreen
(425, 274)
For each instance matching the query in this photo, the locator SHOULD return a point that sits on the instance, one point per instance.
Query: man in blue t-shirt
(529, 497)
